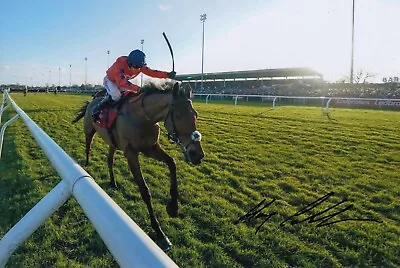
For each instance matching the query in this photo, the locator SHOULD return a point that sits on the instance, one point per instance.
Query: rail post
(236, 98)
(273, 103)
(3, 130)
(327, 105)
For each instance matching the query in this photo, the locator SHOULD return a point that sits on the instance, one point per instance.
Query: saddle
(109, 114)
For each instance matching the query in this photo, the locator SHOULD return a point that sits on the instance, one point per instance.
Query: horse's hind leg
(89, 139)
(157, 153)
(133, 162)
(110, 162)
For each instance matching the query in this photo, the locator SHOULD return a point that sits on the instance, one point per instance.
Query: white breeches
(112, 89)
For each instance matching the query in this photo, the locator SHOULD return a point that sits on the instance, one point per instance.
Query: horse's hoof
(172, 210)
(164, 244)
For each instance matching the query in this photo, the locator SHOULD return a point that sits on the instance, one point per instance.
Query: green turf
(292, 154)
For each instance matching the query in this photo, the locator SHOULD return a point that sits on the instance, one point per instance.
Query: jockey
(119, 74)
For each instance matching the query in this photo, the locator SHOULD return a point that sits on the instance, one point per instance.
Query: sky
(40, 39)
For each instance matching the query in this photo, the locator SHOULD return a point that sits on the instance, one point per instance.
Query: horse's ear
(175, 90)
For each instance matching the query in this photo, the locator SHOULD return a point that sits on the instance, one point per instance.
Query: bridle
(195, 136)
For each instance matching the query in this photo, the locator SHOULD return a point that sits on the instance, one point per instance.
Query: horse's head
(181, 125)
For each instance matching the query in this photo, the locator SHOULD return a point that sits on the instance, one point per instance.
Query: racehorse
(136, 130)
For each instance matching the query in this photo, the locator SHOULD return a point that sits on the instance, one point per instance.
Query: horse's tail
(81, 112)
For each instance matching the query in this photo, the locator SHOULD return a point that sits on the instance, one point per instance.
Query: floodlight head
(203, 17)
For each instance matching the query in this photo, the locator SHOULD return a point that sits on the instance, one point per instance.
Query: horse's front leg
(133, 162)
(157, 153)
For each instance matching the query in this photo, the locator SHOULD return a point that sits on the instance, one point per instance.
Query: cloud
(164, 8)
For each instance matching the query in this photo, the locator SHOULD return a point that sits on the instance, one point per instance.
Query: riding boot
(97, 109)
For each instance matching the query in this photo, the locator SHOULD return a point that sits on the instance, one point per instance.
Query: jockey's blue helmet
(137, 59)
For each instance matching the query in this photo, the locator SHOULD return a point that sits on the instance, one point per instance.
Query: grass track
(293, 154)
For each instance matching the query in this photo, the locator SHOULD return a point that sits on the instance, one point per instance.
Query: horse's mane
(153, 86)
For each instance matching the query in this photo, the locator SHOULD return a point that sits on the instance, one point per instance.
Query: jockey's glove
(171, 75)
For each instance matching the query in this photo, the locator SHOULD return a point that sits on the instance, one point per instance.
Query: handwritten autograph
(320, 217)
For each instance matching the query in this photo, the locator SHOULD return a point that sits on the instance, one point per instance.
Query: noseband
(195, 136)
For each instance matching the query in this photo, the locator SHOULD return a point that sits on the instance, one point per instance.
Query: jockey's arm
(120, 75)
(123, 82)
(153, 73)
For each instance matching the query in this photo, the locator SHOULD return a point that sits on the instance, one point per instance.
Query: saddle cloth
(108, 115)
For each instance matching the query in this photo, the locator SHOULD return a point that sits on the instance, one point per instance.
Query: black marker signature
(320, 217)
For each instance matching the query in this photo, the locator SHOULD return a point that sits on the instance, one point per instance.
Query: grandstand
(285, 73)
(263, 81)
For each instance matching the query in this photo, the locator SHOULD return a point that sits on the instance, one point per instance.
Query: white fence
(129, 245)
(325, 101)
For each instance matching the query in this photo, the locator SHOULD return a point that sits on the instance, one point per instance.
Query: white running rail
(377, 103)
(129, 244)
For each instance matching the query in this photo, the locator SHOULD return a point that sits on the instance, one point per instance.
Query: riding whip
(170, 50)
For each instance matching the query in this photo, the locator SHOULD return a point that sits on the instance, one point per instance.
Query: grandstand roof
(263, 73)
